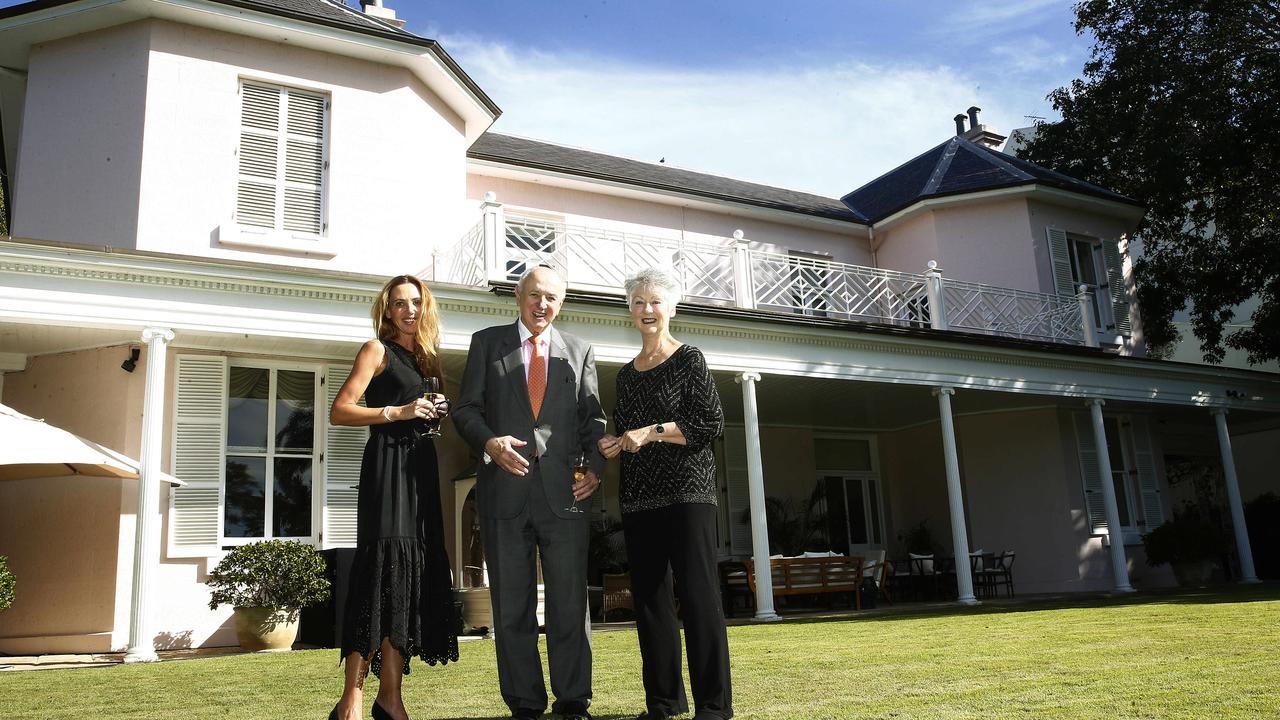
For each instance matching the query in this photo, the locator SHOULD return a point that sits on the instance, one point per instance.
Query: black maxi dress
(400, 587)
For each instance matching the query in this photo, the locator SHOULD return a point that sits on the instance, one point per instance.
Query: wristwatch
(659, 429)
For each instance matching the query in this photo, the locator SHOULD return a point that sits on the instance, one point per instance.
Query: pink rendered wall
(909, 245)
(987, 242)
(64, 536)
(80, 156)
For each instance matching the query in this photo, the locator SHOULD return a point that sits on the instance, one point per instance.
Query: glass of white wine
(580, 469)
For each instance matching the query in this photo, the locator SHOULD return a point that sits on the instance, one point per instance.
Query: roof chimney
(977, 132)
(374, 8)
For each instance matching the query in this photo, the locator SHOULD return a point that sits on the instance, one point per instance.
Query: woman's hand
(633, 440)
(610, 446)
(420, 408)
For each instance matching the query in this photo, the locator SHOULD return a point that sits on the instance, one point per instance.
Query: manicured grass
(1183, 655)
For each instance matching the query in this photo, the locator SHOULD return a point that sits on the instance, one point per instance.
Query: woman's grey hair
(654, 279)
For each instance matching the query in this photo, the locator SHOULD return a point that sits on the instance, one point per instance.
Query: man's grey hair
(654, 279)
(524, 277)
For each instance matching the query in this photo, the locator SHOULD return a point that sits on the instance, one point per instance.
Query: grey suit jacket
(494, 401)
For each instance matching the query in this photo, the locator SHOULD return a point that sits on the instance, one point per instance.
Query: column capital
(1218, 411)
(944, 390)
(157, 333)
(745, 376)
(1094, 401)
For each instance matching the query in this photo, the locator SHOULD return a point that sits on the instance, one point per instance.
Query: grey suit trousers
(562, 545)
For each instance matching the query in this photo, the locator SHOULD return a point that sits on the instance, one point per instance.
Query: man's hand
(585, 487)
(610, 446)
(500, 451)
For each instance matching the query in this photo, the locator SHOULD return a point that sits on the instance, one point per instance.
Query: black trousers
(679, 542)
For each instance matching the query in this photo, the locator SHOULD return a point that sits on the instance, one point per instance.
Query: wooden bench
(813, 575)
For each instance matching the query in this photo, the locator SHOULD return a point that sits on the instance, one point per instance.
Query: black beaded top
(679, 390)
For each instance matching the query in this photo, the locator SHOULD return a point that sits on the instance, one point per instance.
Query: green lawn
(1208, 654)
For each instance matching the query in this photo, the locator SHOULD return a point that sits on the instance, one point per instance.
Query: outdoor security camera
(131, 362)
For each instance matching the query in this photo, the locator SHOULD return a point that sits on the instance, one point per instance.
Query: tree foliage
(1179, 108)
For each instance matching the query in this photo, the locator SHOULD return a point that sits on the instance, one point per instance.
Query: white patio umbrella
(32, 448)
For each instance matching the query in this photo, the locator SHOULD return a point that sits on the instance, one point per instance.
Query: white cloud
(826, 130)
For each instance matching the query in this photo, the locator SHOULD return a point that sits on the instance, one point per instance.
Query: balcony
(501, 246)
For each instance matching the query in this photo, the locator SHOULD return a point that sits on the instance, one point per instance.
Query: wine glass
(580, 469)
(431, 387)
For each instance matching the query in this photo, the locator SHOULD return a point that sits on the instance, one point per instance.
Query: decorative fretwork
(463, 264)
(1014, 313)
(600, 259)
(830, 289)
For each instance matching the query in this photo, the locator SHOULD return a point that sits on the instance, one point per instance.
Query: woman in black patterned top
(667, 416)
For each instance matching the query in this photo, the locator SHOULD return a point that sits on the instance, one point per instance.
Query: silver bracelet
(386, 413)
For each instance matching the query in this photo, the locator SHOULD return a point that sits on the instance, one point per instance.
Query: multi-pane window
(1088, 268)
(282, 159)
(270, 453)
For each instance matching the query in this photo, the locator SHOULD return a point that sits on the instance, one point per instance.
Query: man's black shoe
(526, 714)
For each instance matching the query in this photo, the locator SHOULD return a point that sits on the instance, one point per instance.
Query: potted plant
(7, 584)
(268, 583)
(1190, 543)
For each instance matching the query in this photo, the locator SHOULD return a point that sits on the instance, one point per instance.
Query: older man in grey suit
(529, 402)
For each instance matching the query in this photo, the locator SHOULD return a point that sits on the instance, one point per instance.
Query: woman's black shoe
(378, 713)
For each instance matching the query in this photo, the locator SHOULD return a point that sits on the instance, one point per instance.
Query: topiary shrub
(279, 574)
(7, 584)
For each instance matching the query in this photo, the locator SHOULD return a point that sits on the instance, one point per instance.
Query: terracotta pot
(265, 628)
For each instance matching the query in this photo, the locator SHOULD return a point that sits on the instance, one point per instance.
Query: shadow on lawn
(1218, 594)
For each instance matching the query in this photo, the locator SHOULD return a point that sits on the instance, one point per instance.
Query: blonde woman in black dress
(667, 416)
(400, 602)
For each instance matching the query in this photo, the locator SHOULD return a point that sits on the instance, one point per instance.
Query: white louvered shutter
(199, 422)
(1115, 286)
(1148, 481)
(343, 450)
(1060, 257)
(1094, 501)
(735, 470)
(281, 159)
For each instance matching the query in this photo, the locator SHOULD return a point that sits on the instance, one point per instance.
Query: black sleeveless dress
(401, 587)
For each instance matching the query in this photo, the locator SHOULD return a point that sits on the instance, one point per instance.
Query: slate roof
(959, 166)
(533, 154)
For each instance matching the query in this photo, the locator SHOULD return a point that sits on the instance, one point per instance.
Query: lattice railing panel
(830, 289)
(1014, 313)
(463, 263)
(602, 259)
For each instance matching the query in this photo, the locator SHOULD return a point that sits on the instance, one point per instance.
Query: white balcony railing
(501, 247)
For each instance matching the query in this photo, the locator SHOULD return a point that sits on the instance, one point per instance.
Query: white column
(755, 482)
(955, 499)
(1115, 535)
(146, 544)
(933, 291)
(495, 234)
(1247, 573)
(1086, 316)
(743, 289)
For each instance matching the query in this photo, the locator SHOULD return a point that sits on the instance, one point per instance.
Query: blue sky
(815, 95)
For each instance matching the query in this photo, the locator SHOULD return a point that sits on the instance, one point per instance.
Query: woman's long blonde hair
(426, 344)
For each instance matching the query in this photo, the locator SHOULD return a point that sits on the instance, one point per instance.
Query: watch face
(658, 428)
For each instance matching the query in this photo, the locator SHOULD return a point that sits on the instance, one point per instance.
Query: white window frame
(861, 477)
(277, 238)
(317, 453)
(1144, 505)
(1104, 317)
